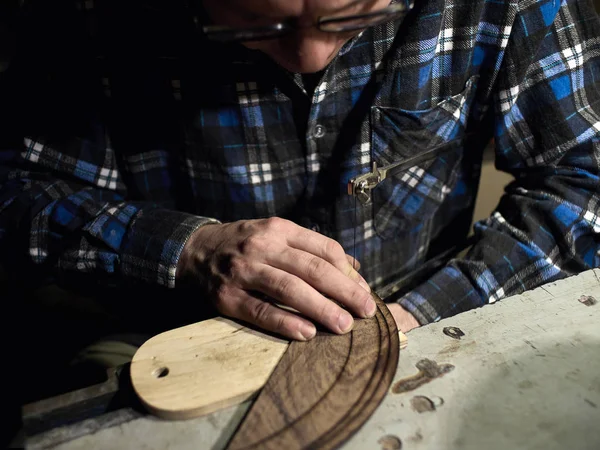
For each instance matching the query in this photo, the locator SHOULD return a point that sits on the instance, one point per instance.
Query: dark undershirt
(311, 81)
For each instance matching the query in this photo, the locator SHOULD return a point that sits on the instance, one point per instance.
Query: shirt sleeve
(65, 209)
(68, 214)
(546, 105)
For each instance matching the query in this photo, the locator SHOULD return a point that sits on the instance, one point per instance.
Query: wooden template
(200, 368)
(206, 366)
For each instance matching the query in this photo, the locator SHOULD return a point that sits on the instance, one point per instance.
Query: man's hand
(243, 262)
(405, 321)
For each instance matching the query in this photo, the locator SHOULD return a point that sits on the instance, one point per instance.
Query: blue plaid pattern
(167, 132)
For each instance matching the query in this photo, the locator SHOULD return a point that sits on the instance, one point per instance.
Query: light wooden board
(203, 367)
(211, 364)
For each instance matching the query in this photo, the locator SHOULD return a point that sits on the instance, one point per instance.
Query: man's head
(307, 49)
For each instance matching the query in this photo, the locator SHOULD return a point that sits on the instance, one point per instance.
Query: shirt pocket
(405, 202)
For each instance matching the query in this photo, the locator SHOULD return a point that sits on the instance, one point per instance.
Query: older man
(209, 145)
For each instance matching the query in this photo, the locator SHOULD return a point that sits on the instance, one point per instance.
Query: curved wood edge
(371, 400)
(311, 429)
(345, 427)
(293, 391)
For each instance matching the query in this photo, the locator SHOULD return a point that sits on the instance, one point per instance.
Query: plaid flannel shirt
(128, 137)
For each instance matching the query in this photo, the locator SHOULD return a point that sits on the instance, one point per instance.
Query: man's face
(306, 50)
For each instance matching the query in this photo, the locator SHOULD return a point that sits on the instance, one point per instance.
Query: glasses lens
(361, 21)
(226, 34)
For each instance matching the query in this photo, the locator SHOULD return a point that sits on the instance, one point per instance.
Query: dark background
(31, 330)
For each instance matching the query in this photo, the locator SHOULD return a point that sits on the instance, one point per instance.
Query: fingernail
(345, 322)
(308, 331)
(370, 308)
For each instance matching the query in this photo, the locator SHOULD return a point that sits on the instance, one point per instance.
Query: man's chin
(301, 67)
(305, 64)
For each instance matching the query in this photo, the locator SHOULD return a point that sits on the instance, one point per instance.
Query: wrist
(405, 321)
(192, 252)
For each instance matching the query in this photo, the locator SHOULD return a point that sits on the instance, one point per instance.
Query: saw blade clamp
(361, 186)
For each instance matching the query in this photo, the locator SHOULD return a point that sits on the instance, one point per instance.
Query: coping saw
(361, 187)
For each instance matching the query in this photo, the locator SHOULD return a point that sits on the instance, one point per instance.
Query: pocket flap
(408, 199)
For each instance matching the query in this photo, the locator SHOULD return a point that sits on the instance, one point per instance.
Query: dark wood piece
(324, 390)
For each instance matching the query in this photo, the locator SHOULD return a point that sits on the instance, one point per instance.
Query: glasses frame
(323, 24)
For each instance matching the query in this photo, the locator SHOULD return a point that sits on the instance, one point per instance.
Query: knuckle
(252, 244)
(259, 311)
(283, 287)
(245, 226)
(324, 313)
(334, 249)
(281, 324)
(359, 298)
(275, 223)
(315, 268)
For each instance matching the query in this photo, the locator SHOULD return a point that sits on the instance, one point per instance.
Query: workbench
(521, 373)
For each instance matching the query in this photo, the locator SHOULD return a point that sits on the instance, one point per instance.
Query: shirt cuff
(154, 244)
(445, 294)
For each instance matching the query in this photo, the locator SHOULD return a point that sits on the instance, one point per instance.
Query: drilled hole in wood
(161, 372)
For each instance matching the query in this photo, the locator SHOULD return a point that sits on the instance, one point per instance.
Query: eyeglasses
(326, 24)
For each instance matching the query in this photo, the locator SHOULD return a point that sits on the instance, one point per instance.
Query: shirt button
(319, 132)
(315, 227)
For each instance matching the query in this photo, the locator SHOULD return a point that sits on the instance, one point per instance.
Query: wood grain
(322, 391)
(376, 390)
(206, 366)
(200, 368)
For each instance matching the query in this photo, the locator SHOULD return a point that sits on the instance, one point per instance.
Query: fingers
(327, 249)
(309, 241)
(324, 278)
(353, 262)
(294, 292)
(294, 266)
(242, 305)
